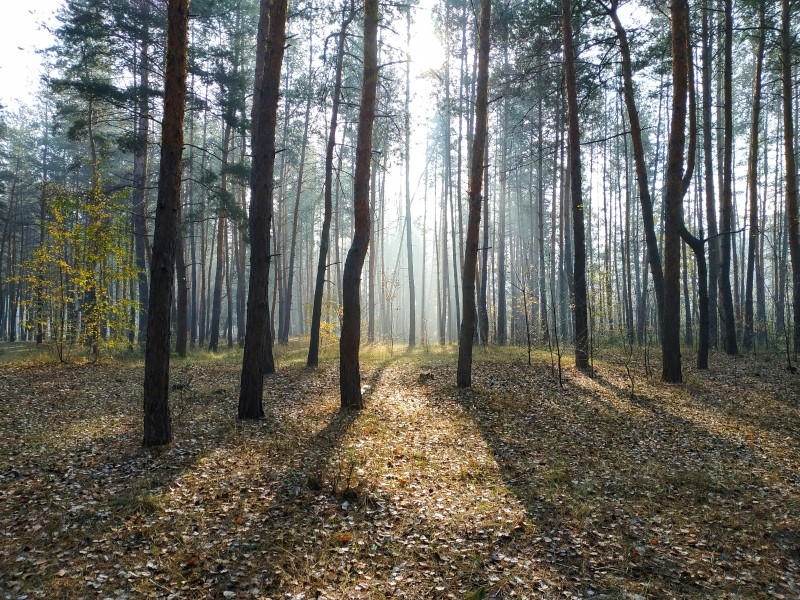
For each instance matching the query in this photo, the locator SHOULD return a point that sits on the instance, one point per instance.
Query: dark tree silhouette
(157, 429)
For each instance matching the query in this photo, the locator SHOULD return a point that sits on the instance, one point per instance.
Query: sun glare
(427, 53)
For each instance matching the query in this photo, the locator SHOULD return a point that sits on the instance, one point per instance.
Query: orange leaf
(345, 538)
(239, 520)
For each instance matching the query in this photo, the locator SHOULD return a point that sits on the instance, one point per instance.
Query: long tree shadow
(629, 498)
(79, 479)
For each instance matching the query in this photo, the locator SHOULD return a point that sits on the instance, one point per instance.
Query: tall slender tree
(257, 357)
(325, 235)
(752, 181)
(157, 428)
(469, 318)
(350, 340)
(576, 191)
(726, 200)
(670, 338)
(645, 200)
(412, 315)
(792, 209)
(708, 180)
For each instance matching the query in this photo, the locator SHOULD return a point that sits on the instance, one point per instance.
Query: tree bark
(182, 321)
(298, 192)
(697, 244)
(645, 200)
(325, 235)
(708, 161)
(157, 428)
(468, 320)
(726, 201)
(670, 339)
(140, 178)
(793, 215)
(579, 258)
(483, 308)
(350, 341)
(752, 183)
(257, 357)
(412, 316)
(222, 225)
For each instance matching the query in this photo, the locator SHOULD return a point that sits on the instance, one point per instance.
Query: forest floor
(518, 488)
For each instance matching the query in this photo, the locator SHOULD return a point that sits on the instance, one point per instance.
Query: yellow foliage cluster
(80, 276)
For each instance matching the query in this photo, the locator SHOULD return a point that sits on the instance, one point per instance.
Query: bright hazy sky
(20, 36)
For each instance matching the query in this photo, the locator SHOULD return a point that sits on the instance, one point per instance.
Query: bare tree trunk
(222, 225)
(157, 429)
(182, 321)
(793, 215)
(293, 248)
(579, 268)
(483, 309)
(761, 284)
(653, 257)
(193, 324)
(204, 278)
(726, 202)
(752, 183)
(444, 321)
(228, 288)
(468, 321)
(350, 342)
(711, 210)
(241, 256)
(140, 177)
(696, 244)
(325, 236)
(670, 338)
(372, 267)
(540, 223)
(500, 235)
(412, 316)
(257, 358)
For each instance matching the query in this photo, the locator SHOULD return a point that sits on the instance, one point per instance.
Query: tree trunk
(579, 268)
(540, 224)
(793, 215)
(726, 202)
(468, 320)
(374, 280)
(412, 316)
(222, 225)
(241, 254)
(257, 357)
(140, 177)
(646, 202)
(349, 344)
(193, 323)
(708, 161)
(293, 249)
(157, 429)
(182, 322)
(670, 338)
(483, 308)
(500, 235)
(324, 243)
(752, 184)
